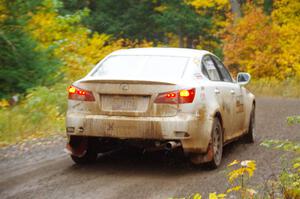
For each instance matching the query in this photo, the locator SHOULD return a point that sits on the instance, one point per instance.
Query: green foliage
(293, 120)
(17, 10)
(285, 145)
(22, 64)
(130, 19)
(150, 20)
(268, 5)
(181, 19)
(41, 113)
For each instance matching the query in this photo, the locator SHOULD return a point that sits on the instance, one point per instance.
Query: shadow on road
(157, 163)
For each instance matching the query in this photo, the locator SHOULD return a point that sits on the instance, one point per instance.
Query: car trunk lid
(134, 97)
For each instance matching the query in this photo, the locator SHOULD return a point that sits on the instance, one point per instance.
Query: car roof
(183, 52)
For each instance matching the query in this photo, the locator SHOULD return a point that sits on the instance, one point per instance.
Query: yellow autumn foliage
(219, 4)
(220, 7)
(74, 44)
(286, 20)
(265, 46)
(3, 11)
(216, 196)
(247, 168)
(220, 19)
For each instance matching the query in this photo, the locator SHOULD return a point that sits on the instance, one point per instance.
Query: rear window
(135, 66)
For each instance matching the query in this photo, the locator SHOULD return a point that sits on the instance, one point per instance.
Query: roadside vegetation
(285, 185)
(47, 44)
(289, 88)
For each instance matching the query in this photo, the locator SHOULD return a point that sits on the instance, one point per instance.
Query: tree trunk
(92, 5)
(189, 42)
(166, 40)
(268, 6)
(236, 9)
(181, 39)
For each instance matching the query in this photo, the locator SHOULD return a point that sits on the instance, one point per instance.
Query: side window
(224, 72)
(209, 69)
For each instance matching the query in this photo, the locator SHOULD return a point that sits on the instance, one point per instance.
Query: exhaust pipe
(172, 145)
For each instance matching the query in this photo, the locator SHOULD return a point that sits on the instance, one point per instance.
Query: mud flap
(203, 158)
(77, 146)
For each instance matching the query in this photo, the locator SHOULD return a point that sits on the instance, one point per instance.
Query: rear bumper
(131, 127)
(187, 128)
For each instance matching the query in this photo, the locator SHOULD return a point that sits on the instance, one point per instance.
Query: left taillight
(80, 94)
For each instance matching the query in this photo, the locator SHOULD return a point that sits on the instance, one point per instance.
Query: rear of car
(158, 98)
(139, 95)
(133, 97)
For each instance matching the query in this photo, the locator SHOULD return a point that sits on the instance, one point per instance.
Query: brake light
(176, 97)
(184, 93)
(187, 96)
(80, 94)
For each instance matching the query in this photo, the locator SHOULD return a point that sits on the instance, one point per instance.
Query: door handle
(217, 91)
(232, 92)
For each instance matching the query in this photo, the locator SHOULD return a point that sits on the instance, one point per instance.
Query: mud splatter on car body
(162, 105)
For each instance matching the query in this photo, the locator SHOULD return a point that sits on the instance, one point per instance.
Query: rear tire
(216, 144)
(87, 158)
(90, 155)
(250, 136)
(212, 158)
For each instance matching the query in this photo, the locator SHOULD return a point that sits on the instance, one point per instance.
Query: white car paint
(189, 123)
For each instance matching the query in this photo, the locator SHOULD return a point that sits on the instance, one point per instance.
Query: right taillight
(80, 94)
(176, 97)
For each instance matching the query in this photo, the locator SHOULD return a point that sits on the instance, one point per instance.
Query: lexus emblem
(124, 87)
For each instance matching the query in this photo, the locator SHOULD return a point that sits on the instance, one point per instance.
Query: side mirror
(243, 78)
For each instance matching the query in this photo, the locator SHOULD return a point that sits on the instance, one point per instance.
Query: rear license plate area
(127, 103)
(123, 103)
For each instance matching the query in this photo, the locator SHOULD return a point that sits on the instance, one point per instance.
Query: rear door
(234, 98)
(223, 94)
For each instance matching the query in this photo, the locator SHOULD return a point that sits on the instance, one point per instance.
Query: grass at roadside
(40, 114)
(276, 88)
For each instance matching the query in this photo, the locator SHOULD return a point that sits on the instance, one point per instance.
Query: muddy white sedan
(159, 99)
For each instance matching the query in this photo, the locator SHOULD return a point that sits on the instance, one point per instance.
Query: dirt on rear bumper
(184, 127)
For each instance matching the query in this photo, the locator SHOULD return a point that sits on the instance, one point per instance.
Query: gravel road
(40, 168)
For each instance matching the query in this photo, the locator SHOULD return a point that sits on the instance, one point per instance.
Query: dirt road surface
(41, 169)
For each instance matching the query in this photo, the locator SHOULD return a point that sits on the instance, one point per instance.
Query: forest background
(47, 44)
